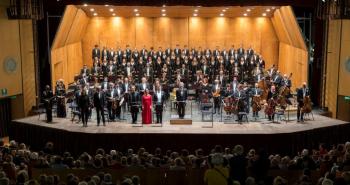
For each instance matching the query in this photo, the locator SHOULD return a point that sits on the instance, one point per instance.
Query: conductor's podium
(181, 122)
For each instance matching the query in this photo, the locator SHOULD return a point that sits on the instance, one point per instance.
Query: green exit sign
(4, 92)
(347, 98)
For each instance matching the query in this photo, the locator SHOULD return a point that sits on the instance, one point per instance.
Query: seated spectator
(178, 165)
(218, 174)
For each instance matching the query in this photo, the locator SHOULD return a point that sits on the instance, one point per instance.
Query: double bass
(256, 106)
(307, 107)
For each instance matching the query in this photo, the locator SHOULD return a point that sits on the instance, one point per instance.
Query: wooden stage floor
(262, 126)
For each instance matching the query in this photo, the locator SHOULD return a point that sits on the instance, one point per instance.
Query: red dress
(146, 111)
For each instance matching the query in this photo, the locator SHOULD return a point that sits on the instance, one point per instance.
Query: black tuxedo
(105, 54)
(159, 102)
(99, 103)
(84, 103)
(96, 53)
(85, 71)
(111, 55)
(181, 97)
(134, 102)
(48, 99)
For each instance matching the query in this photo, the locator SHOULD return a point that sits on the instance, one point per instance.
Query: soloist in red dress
(146, 111)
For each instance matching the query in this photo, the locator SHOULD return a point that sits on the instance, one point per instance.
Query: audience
(221, 165)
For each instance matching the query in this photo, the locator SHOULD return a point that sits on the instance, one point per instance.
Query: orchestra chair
(279, 115)
(39, 108)
(74, 111)
(308, 116)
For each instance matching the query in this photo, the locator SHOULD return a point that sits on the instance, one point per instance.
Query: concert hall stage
(284, 137)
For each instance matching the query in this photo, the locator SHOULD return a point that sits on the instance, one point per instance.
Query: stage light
(264, 14)
(195, 15)
(111, 10)
(248, 10)
(136, 10)
(106, 5)
(195, 10)
(163, 10)
(137, 14)
(113, 14)
(95, 14)
(91, 9)
(164, 5)
(224, 10)
(268, 10)
(245, 14)
(85, 5)
(163, 14)
(222, 14)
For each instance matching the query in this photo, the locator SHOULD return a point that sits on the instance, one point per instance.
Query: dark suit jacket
(96, 53)
(99, 102)
(155, 98)
(182, 97)
(300, 94)
(84, 102)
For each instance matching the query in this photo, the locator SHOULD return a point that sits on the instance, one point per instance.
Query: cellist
(271, 102)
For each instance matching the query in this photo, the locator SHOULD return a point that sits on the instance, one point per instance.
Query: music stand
(212, 117)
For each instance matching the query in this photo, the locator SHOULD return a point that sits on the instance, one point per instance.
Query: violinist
(302, 93)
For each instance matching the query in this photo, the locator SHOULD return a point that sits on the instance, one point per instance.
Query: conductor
(181, 97)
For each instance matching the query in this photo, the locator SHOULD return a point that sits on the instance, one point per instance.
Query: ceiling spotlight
(91, 9)
(248, 10)
(113, 14)
(195, 15)
(111, 10)
(224, 10)
(95, 14)
(85, 4)
(163, 10)
(222, 14)
(264, 14)
(136, 10)
(137, 14)
(164, 5)
(199, 6)
(163, 14)
(195, 10)
(268, 10)
(245, 14)
(273, 8)
(106, 5)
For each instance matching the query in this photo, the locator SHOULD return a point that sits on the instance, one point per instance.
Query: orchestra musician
(60, 92)
(301, 94)
(111, 95)
(256, 92)
(271, 99)
(84, 104)
(240, 96)
(85, 71)
(119, 98)
(143, 86)
(159, 99)
(99, 103)
(216, 91)
(48, 99)
(181, 97)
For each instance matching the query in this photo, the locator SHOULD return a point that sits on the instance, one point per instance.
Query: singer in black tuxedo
(84, 103)
(159, 99)
(99, 103)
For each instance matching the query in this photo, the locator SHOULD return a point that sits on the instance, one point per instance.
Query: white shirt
(147, 71)
(159, 96)
(144, 86)
(128, 71)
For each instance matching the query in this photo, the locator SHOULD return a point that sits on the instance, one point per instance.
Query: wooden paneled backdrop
(278, 39)
(114, 32)
(338, 52)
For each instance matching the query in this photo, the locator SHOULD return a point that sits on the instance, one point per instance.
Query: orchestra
(233, 80)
